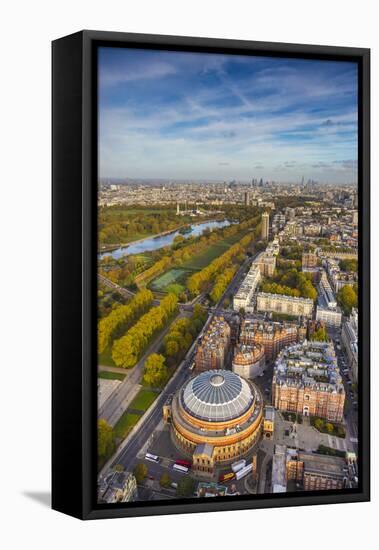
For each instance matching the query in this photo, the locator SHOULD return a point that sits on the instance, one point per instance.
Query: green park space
(174, 279)
(143, 400)
(105, 358)
(107, 375)
(125, 424)
(329, 451)
(171, 280)
(326, 427)
(199, 261)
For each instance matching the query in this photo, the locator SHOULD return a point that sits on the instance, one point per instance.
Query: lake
(154, 243)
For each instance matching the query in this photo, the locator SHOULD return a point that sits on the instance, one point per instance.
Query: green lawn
(176, 277)
(143, 400)
(172, 277)
(125, 424)
(105, 358)
(111, 375)
(199, 261)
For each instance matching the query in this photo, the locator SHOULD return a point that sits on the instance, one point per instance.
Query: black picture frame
(74, 206)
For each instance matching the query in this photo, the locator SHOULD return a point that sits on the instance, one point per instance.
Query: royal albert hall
(216, 418)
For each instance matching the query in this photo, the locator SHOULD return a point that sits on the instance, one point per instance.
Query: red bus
(185, 463)
(226, 477)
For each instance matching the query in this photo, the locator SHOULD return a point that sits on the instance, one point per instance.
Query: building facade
(289, 305)
(266, 262)
(269, 422)
(309, 260)
(265, 226)
(216, 418)
(307, 381)
(316, 472)
(330, 317)
(117, 487)
(349, 340)
(249, 360)
(243, 299)
(214, 347)
(273, 336)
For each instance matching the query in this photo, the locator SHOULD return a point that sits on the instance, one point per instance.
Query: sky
(183, 115)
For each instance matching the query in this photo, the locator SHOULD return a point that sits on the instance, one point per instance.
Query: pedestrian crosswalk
(337, 443)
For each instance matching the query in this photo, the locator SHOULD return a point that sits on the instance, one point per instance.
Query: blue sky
(208, 116)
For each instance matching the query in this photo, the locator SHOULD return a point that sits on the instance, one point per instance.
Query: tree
(172, 348)
(155, 370)
(341, 431)
(320, 335)
(128, 349)
(140, 472)
(347, 299)
(105, 438)
(121, 317)
(186, 487)
(329, 428)
(349, 265)
(319, 424)
(165, 480)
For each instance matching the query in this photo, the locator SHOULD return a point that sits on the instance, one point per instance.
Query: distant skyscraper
(265, 225)
(247, 198)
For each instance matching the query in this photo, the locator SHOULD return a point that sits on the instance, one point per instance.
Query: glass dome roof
(216, 396)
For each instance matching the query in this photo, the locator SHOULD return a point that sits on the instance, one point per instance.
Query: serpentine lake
(154, 243)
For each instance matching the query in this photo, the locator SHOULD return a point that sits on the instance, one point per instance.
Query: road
(114, 286)
(116, 404)
(113, 408)
(128, 455)
(126, 293)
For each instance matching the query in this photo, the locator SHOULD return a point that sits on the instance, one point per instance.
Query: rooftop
(217, 395)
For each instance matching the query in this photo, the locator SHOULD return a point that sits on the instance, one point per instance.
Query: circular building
(216, 418)
(249, 360)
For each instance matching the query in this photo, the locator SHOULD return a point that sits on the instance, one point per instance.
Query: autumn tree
(155, 372)
(320, 335)
(140, 472)
(121, 317)
(105, 439)
(347, 298)
(127, 350)
(165, 480)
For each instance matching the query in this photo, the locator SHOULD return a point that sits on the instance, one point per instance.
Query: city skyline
(183, 115)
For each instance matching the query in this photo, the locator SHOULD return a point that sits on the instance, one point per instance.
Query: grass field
(143, 400)
(105, 358)
(199, 261)
(172, 277)
(125, 424)
(111, 375)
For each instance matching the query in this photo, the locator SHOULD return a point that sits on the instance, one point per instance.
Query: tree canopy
(128, 349)
(121, 317)
(347, 298)
(105, 439)
(140, 472)
(155, 372)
